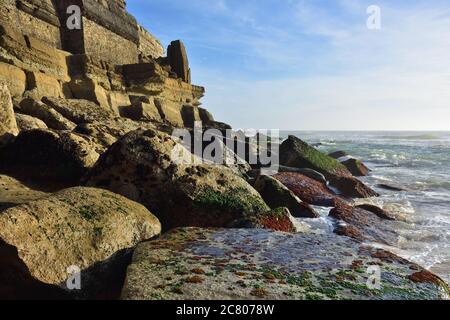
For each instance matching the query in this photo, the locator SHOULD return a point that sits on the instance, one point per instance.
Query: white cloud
(396, 78)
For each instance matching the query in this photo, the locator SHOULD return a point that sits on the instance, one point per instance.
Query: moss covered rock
(297, 153)
(150, 167)
(217, 264)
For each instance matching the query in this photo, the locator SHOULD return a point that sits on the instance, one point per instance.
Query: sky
(313, 64)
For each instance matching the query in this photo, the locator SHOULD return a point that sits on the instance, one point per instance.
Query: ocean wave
(413, 137)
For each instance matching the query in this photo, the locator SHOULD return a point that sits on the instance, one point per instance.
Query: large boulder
(307, 189)
(87, 228)
(150, 167)
(26, 122)
(297, 153)
(8, 125)
(276, 195)
(352, 187)
(107, 132)
(78, 110)
(364, 222)
(52, 118)
(51, 156)
(216, 264)
(356, 167)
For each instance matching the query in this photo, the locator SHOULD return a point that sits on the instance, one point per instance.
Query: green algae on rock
(181, 192)
(297, 153)
(259, 264)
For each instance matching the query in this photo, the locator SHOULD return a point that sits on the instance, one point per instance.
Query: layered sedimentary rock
(110, 60)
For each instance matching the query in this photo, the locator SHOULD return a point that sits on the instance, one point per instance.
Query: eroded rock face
(276, 195)
(78, 110)
(79, 227)
(8, 125)
(53, 156)
(149, 167)
(52, 118)
(216, 264)
(26, 123)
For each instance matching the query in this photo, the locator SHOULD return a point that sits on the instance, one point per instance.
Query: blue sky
(313, 64)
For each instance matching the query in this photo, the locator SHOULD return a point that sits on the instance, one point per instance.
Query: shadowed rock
(276, 195)
(151, 168)
(8, 124)
(356, 167)
(178, 60)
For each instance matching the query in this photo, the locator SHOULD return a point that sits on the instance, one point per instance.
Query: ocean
(416, 161)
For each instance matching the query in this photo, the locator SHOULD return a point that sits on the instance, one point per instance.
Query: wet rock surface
(240, 264)
(308, 190)
(356, 167)
(298, 154)
(276, 195)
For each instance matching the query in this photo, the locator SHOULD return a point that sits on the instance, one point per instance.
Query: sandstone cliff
(111, 60)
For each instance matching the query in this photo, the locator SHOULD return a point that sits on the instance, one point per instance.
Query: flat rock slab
(14, 192)
(204, 264)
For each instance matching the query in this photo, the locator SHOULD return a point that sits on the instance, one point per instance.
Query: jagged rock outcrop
(83, 227)
(52, 118)
(178, 60)
(151, 168)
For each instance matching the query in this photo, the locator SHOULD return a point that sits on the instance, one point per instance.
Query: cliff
(111, 60)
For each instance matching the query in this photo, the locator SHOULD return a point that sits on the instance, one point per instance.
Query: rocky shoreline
(89, 186)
